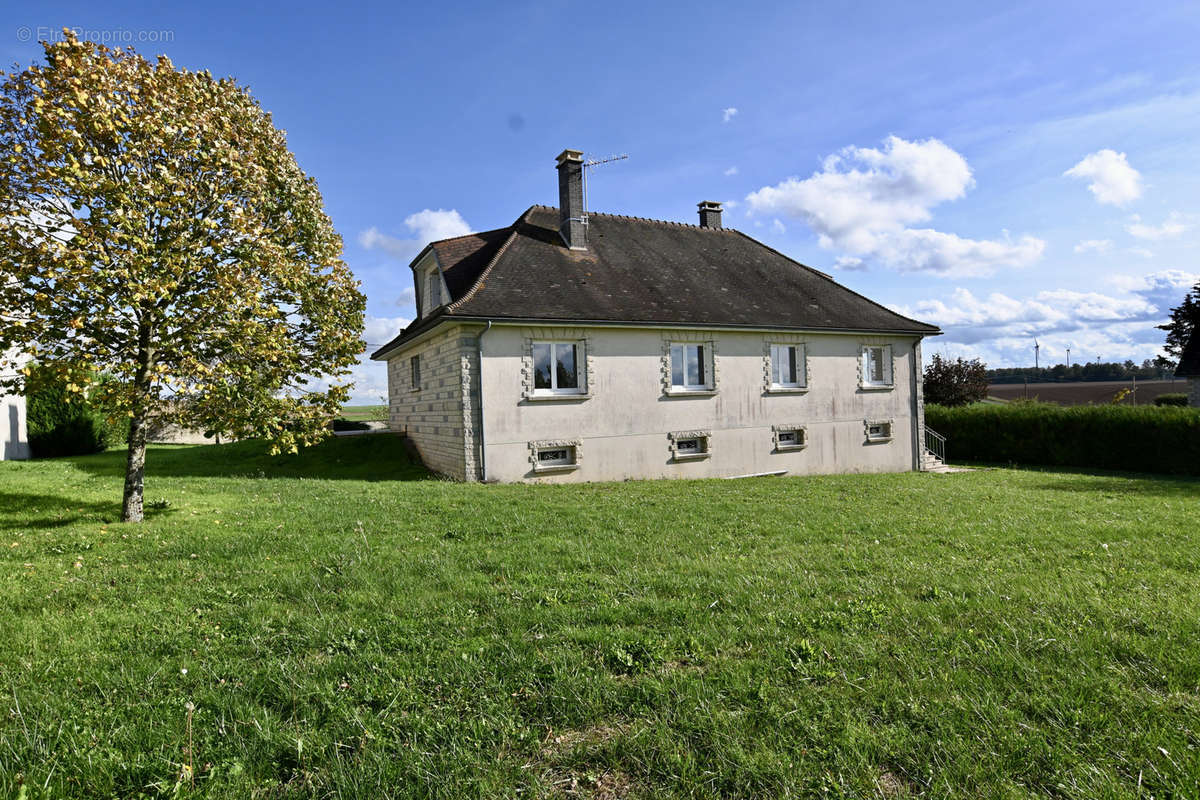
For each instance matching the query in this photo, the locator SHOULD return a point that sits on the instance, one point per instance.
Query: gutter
(482, 417)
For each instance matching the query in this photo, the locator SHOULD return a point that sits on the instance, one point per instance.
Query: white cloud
(407, 298)
(850, 264)
(778, 227)
(428, 225)
(1114, 181)
(728, 114)
(1172, 226)
(1140, 252)
(863, 201)
(1094, 246)
(731, 171)
(1117, 325)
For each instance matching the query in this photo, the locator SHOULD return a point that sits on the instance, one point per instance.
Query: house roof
(1189, 358)
(643, 271)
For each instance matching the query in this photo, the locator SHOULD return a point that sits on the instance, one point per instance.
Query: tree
(155, 228)
(1185, 319)
(955, 383)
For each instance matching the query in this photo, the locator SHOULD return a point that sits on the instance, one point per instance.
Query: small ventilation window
(879, 430)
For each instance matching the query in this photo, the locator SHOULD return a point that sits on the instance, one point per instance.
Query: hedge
(1171, 399)
(1134, 438)
(62, 425)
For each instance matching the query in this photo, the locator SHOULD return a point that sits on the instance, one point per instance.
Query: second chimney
(710, 214)
(571, 224)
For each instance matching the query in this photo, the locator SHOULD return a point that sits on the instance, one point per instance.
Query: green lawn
(345, 627)
(365, 413)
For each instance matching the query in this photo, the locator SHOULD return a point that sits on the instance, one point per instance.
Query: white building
(573, 347)
(14, 443)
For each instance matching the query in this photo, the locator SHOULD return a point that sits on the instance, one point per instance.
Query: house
(14, 442)
(574, 346)
(1189, 367)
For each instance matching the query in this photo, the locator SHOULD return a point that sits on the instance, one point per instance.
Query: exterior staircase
(933, 455)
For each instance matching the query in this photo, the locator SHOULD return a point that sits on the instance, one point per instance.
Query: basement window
(690, 445)
(790, 437)
(554, 456)
(879, 430)
(556, 368)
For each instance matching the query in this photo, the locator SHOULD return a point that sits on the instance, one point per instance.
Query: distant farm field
(338, 624)
(365, 413)
(1082, 393)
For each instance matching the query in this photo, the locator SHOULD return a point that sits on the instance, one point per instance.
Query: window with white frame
(414, 369)
(787, 366)
(690, 445)
(690, 370)
(556, 368)
(877, 365)
(879, 430)
(790, 437)
(554, 456)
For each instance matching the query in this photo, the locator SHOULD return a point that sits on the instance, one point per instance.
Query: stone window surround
(689, 337)
(867, 423)
(577, 335)
(546, 444)
(798, 340)
(787, 448)
(675, 436)
(863, 344)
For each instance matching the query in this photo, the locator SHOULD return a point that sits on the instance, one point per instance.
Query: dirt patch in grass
(558, 743)
(892, 784)
(606, 785)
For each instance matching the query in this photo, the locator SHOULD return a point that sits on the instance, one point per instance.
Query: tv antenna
(590, 164)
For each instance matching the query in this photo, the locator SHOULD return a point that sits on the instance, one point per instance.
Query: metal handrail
(935, 444)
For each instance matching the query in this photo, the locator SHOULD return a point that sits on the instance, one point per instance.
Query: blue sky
(1026, 170)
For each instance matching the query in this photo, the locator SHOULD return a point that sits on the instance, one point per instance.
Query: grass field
(365, 413)
(342, 626)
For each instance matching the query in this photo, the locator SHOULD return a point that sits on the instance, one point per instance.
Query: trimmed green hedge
(1171, 399)
(61, 425)
(1134, 438)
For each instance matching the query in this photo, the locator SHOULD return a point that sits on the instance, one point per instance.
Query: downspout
(482, 417)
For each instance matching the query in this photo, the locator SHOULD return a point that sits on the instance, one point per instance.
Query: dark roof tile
(650, 271)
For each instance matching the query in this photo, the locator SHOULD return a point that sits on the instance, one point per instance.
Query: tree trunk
(135, 463)
(135, 470)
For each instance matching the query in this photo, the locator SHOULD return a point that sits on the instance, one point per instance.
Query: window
(414, 368)
(877, 366)
(790, 437)
(689, 370)
(434, 282)
(787, 366)
(554, 456)
(556, 368)
(879, 430)
(690, 445)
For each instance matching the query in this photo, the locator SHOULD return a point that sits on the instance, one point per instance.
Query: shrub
(63, 424)
(1171, 399)
(1133, 438)
(955, 383)
(343, 424)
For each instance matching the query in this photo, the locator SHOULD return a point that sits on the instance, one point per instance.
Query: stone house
(574, 346)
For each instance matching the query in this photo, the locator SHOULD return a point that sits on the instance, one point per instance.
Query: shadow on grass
(379, 457)
(45, 511)
(1126, 484)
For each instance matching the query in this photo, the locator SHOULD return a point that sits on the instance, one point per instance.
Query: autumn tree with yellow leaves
(156, 230)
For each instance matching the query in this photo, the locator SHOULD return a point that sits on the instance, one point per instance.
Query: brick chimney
(710, 214)
(570, 199)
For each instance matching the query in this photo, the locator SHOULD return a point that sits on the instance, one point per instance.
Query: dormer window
(433, 289)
